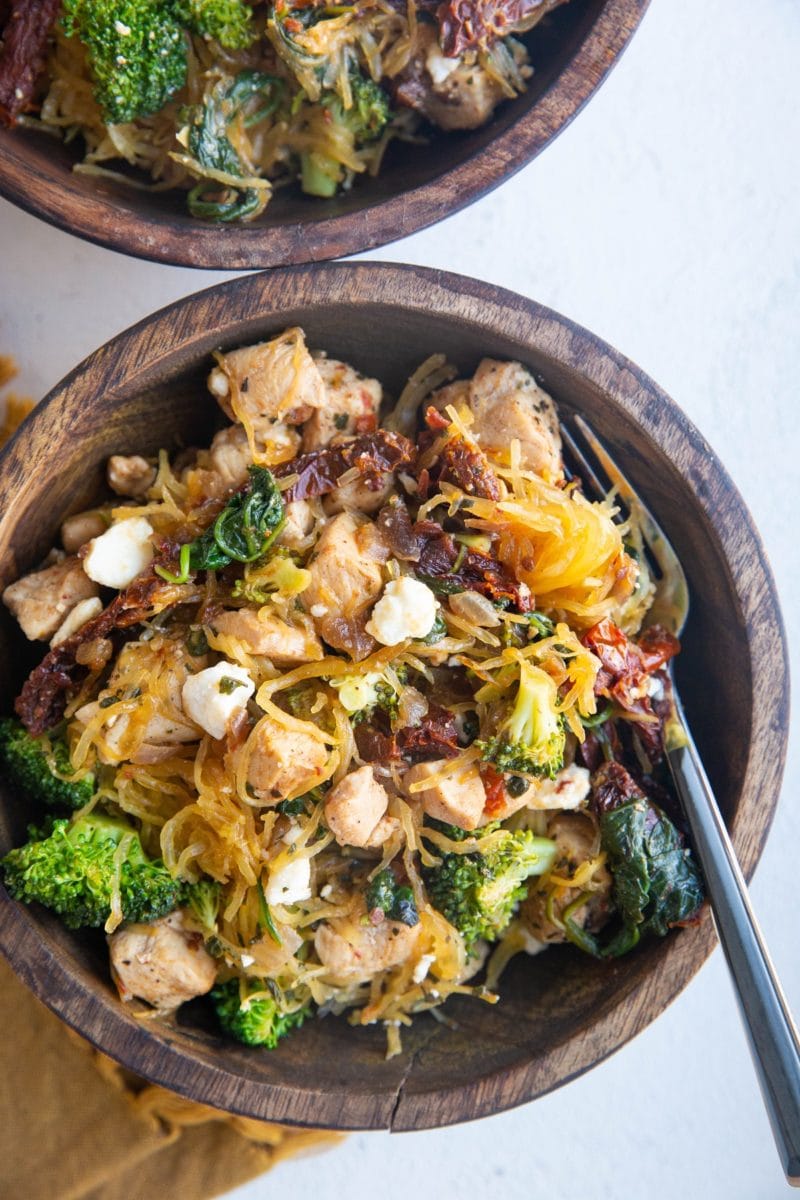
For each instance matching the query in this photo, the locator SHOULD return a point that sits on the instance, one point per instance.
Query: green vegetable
(257, 1022)
(531, 739)
(29, 767)
(136, 51)
(243, 531)
(437, 632)
(71, 870)
(265, 920)
(395, 902)
(478, 893)
(137, 48)
(656, 881)
(212, 150)
(384, 697)
(204, 900)
(363, 122)
(228, 22)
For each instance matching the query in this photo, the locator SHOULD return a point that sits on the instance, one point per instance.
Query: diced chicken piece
(130, 475)
(272, 381)
(83, 611)
(508, 404)
(41, 601)
(407, 609)
(264, 632)
(164, 962)
(214, 697)
(229, 456)
(577, 839)
(352, 949)
(454, 395)
(569, 789)
(298, 526)
(352, 404)
(457, 798)
(359, 496)
(116, 557)
(354, 808)
(346, 577)
(453, 93)
(76, 531)
(283, 762)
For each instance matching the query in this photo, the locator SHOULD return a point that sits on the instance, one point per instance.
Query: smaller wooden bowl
(572, 52)
(560, 1013)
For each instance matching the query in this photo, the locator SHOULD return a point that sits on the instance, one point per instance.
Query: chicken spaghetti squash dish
(348, 708)
(228, 100)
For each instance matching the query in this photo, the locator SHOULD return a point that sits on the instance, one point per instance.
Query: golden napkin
(75, 1126)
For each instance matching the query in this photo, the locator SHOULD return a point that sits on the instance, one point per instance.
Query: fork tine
(671, 604)
(585, 469)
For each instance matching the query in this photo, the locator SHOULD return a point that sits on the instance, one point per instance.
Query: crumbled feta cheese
(212, 697)
(438, 66)
(569, 789)
(83, 611)
(326, 891)
(422, 967)
(318, 610)
(407, 609)
(655, 688)
(116, 557)
(247, 960)
(218, 383)
(289, 884)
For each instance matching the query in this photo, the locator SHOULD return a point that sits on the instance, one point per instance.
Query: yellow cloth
(74, 1126)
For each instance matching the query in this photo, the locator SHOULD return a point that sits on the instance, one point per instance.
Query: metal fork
(772, 1034)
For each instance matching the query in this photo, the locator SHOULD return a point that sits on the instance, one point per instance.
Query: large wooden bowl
(560, 1013)
(572, 50)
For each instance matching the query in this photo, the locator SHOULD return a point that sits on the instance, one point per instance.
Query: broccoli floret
(136, 51)
(532, 738)
(203, 899)
(478, 893)
(229, 22)
(72, 872)
(395, 902)
(362, 122)
(259, 1022)
(29, 767)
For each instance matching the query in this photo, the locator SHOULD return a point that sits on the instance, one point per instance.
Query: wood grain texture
(572, 52)
(561, 1012)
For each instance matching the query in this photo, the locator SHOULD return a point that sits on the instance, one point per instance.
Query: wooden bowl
(560, 1013)
(573, 51)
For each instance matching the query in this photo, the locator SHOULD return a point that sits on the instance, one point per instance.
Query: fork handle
(771, 1032)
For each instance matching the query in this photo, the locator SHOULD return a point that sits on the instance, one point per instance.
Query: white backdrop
(666, 220)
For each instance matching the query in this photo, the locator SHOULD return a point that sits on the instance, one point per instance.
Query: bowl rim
(97, 218)
(168, 337)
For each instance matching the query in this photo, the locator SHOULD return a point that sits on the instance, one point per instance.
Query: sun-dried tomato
(473, 24)
(24, 33)
(613, 786)
(373, 456)
(448, 567)
(495, 787)
(40, 705)
(625, 665)
(435, 736)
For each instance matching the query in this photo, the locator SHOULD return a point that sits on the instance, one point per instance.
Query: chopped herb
(228, 684)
